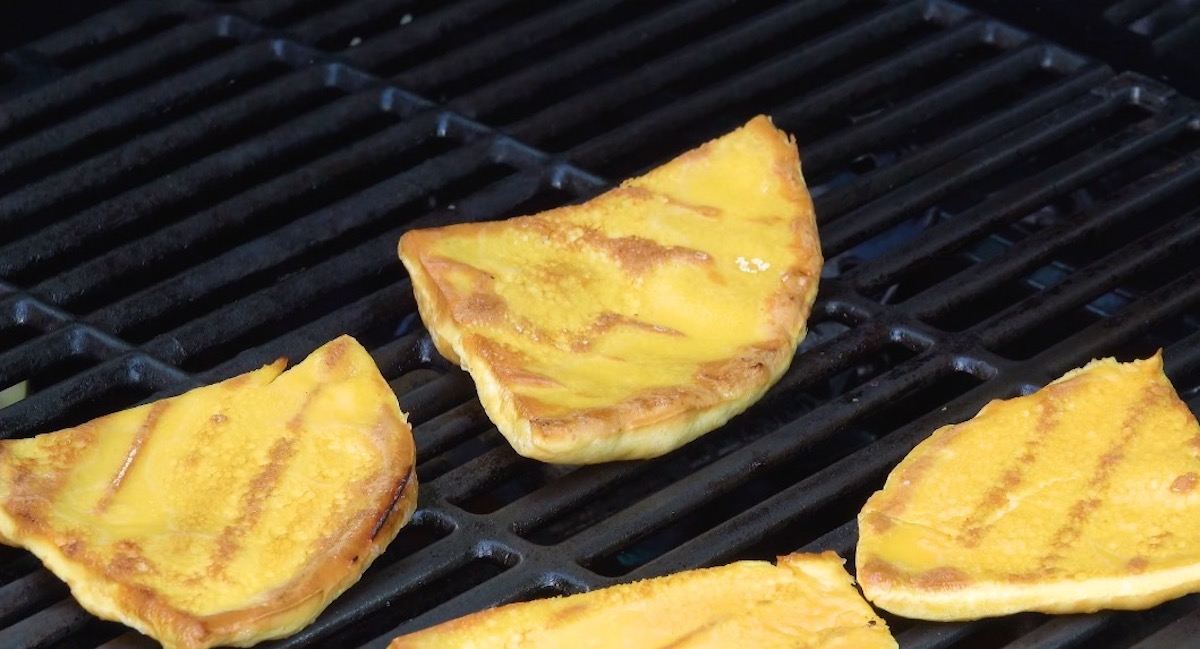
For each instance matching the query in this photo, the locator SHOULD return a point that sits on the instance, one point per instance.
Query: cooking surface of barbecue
(191, 189)
(629, 325)
(227, 515)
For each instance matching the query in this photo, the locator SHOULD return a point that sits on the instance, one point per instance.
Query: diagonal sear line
(977, 524)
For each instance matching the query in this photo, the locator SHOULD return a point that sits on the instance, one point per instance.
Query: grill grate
(191, 189)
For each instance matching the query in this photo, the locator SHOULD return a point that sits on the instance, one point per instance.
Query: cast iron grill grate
(190, 189)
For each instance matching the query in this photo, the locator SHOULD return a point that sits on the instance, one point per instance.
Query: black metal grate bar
(966, 88)
(557, 110)
(105, 33)
(1038, 247)
(126, 70)
(554, 76)
(855, 226)
(1025, 196)
(494, 50)
(47, 626)
(124, 169)
(434, 28)
(101, 127)
(836, 48)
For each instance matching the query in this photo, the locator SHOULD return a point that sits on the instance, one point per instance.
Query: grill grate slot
(940, 237)
(424, 598)
(1178, 633)
(99, 46)
(336, 29)
(437, 434)
(645, 80)
(262, 208)
(534, 40)
(8, 75)
(544, 80)
(413, 377)
(159, 153)
(1071, 306)
(15, 563)
(857, 145)
(108, 125)
(852, 191)
(649, 516)
(630, 127)
(936, 59)
(438, 394)
(59, 357)
(30, 592)
(15, 333)
(73, 46)
(468, 451)
(554, 525)
(246, 263)
(1154, 200)
(421, 533)
(281, 13)
(442, 33)
(1070, 259)
(378, 25)
(137, 66)
(366, 263)
(48, 626)
(100, 390)
(987, 170)
(546, 198)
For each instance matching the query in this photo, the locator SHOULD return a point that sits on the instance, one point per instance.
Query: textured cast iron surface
(189, 190)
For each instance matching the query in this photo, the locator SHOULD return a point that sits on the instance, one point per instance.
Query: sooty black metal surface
(188, 190)
(1155, 37)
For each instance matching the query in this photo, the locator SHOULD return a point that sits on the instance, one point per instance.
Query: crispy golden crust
(1076, 498)
(596, 332)
(228, 515)
(806, 601)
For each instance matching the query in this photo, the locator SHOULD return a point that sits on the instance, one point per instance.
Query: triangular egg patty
(629, 325)
(228, 515)
(1078, 497)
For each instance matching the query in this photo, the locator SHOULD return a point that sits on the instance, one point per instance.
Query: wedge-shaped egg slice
(807, 601)
(1079, 497)
(227, 515)
(631, 324)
